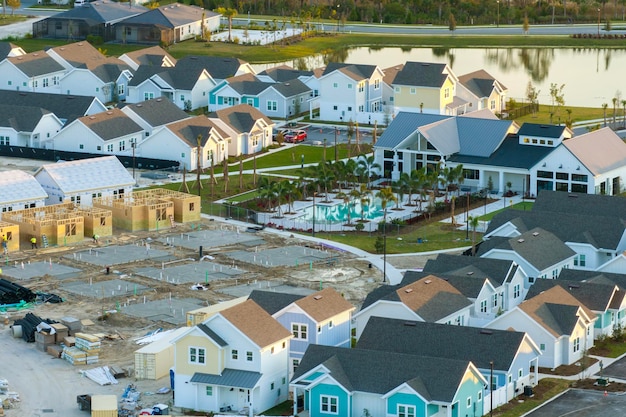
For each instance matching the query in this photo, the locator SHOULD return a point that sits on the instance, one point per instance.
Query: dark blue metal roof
(229, 378)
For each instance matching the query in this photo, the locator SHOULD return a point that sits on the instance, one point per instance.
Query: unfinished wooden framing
(186, 206)
(12, 232)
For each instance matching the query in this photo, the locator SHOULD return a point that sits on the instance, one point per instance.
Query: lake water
(591, 76)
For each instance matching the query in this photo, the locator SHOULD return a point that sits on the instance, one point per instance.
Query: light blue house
(333, 381)
(321, 318)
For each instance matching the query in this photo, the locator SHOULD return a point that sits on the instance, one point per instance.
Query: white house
(27, 126)
(35, 71)
(83, 180)
(153, 55)
(249, 130)
(20, 190)
(151, 115)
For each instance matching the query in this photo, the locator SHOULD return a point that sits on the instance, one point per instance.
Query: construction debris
(11, 293)
(101, 375)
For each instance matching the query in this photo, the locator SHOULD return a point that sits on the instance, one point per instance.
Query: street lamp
(313, 229)
(498, 21)
(335, 144)
(598, 21)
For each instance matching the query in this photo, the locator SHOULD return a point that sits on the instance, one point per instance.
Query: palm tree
(615, 102)
(624, 111)
(323, 173)
(363, 194)
(292, 192)
(347, 199)
(399, 187)
(368, 165)
(385, 195)
(604, 107)
(473, 222)
(228, 13)
(455, 178)
(264, 189)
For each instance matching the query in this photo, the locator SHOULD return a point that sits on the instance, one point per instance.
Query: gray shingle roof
(110, 72)
(284, 73)
(603, 232)
(220, 68)
(21, 118)
(214, 336)
(290, 88)
(158, 111)
(6, 48)
(171, 16)
(468, 285)
(111, 124)
(498, 271)
(541, 130)
(248, 85)
(442, 341)
(241, 117)
(36, 63)
(480, 83)
(596, 297)
(378, 372)
(229, 378)
(65, 107)
(593, 277)
(100, 12)
(509, 154)
(541, 250)
(354, 71)
(559, 317)
(583, 204)
(421, 74)
(272, 301)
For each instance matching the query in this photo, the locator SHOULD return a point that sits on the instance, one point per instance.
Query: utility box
(104, 406)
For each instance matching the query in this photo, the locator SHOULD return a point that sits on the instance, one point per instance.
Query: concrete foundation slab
(246, 287)
(116, 255)
(26, 270)
(210, 238)
(169, 310)
(197, 272)
(104, 289)
(284, 256)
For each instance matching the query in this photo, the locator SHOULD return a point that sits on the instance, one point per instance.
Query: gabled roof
(324, 304)
(191, 128)
(576, 203)
(555, 310)
(404, 125)
(111, 124)
(21, 118)
(283, 73)
(255, 323)
(171, 16)
(595, 277)
(480, 83)
(35, 64)
(179, 78)
(430, 297)
(242, 117)
(599, 151)
(17, 185)
(157, 112)
(88, 174)
(379, 372)
(6, 48)
(99, 12)
(602, 232)
(390, 73)
(480, 346)
(542, 130)
(469, 285)
(220, 68)
(247, 84)
(214, 336)
(498, 271)
(596, 297)
(510, 154)
(357, 72)
(65, 107)
(154, 56)
(537, 246)
(84, 56)
(290, 88)
(272, 301)
(236, 378)
(421, 74)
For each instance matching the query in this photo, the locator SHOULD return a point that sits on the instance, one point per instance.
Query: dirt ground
(49, 385)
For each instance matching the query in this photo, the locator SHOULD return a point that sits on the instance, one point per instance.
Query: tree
(385, 195)
(532, 94)
(473, 222)
(624, 111)
(451, 23)
(604, 107)
(368, 165)
(557, 96)
(363, 194)
(228, 13)
(525, 25)
(13, 4)
(347, 201)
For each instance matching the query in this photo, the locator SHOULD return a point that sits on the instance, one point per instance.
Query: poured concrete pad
(283, 256)
(197, 272)
(116, 255)
(24, 271)
(212, 238)
(247, 286)
(172, 310)
(104, 289)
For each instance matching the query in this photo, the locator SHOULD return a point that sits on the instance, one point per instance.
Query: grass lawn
(9, 20)
(608, 348)
(526, 205)
(578, 114)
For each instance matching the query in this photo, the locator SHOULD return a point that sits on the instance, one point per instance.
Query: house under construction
(12, 233)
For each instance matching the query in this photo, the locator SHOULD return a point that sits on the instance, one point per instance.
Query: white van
(79, 3)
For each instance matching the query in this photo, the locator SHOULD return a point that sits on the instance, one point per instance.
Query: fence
(522, 111)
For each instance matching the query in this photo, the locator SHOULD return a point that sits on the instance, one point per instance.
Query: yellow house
(425, 87)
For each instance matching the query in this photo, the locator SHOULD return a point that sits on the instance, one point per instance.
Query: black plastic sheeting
(11, 293)
(29, 326)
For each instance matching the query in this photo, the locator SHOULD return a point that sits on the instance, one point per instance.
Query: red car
(295, 136)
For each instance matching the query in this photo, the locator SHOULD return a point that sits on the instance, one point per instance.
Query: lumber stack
(89, 344)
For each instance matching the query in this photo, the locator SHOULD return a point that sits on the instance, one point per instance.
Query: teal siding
(211, 98)
(220, 100)
(255, 100)
(343, 407)
(470, 388)
(431, 409)
(406, 399)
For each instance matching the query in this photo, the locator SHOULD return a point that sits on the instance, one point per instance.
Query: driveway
(581, 403)
(616, 370)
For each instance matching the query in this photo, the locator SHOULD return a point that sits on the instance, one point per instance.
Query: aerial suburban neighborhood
(117, 265)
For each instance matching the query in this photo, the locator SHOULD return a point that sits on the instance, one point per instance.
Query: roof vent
(92, 117)
(410, 323)
(317, 297)
(520, 240)
(139, 105)
(470, 273)
(427, 281)
(408, 290)
(573, 286)
(159, 99)
(109, 112)
(486, 331)
(535, 233)
(572, 196)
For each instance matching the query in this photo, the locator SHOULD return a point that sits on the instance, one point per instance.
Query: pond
(591, 76)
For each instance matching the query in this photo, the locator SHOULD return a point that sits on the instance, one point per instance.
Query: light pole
(336, 144)
(498, 21)
(491, 387)
(313, 229)
(598, 22)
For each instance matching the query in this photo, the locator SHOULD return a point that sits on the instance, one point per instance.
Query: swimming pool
(338, 213)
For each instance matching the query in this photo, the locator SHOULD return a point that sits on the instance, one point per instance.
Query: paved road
(580, 403)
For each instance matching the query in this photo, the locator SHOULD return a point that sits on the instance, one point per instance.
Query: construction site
(154, 263)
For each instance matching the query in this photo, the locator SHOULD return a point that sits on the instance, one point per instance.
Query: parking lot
(317, 134)
(583, 403)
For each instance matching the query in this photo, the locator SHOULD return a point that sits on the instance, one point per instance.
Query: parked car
(275, 133)
(295, 136)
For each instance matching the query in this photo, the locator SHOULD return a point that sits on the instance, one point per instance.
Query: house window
(299, 331)
(148, 96)
(272, 105)
(55, 80)
(520, 373)
(44, 82)
(483, 306)
(272, 350)
(35, 83)
(479, 397)
(330, 324)
(469, 402)
(295, 363)
(361, 87)
(129, 31)
(493, 105)
(495, 300)
(192, 206)
(4, 140)
(58, 26)
(406, 410)
(234, 354)
(516, 291)
(209, 391)
(122, 145)
(446, 93)
(197, 355)
(334, 107)
(182, 97)
(249, 356)
(413, 90)
(110, 147)
(328, 404)
(335, 85)
(97, 89)
(361, 108)
(579, 178)
(121, 89)
(576, 344)
(349, 108)
(580, 260)
(349, 86)
(272, 386)
(494, 383)
(376, 84)
(81, 146)
(284, 380)
(319, 329)
(396, 90)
